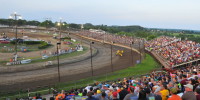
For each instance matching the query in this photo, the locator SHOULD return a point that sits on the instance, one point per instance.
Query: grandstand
(173, 51)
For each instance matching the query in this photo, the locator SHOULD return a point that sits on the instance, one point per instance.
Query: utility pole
(58, 62)
(111, 56)
(91, 58)
(131, 51)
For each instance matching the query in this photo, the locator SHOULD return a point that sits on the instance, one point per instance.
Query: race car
(119, 53)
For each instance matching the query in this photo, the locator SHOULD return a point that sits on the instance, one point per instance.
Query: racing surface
(73, 71)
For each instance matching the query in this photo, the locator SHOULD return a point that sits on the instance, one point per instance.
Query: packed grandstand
(180, 83)
(174, 50)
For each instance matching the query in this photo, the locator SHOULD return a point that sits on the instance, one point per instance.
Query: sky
(172, 14)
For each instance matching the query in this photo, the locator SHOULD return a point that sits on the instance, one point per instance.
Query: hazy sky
(176, 14)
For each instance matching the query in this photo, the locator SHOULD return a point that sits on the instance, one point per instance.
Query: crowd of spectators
(160, 42)
(181, 51)
(179, 84)
(120, 39)
(174, 50)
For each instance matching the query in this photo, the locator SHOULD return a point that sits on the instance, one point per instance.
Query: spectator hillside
(101, 35)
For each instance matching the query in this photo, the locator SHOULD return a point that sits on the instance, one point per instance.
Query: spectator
(122, 93)
(70, 95)
(97, 94)
(164, 92)
(157, 87)
(88, 88)
(137, 88)
(183, 82)
(103, 96)
(115, 95)
(91, 90)
(90, 97)
(198, 93)
(77, 97)
(151, 96)
(109, 92)
(142, 94)
(131, 95)
(170, 85)
(130, 86)
(174, 96)
(80, 92)
(84, 97)
(52, 98)
(189, 94)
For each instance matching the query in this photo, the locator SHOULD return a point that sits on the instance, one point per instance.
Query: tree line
(136, 31)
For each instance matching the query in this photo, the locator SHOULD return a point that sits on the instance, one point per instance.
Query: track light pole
(15, 15)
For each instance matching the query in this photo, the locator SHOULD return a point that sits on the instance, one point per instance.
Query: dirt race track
(74, 71)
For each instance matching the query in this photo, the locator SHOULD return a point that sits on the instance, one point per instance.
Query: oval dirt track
(74, 71)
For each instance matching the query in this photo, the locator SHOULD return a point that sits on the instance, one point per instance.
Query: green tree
(21, 22)
(88, 26)
(150, 37)
(47, 24)
(33, 23)
(73, 25)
